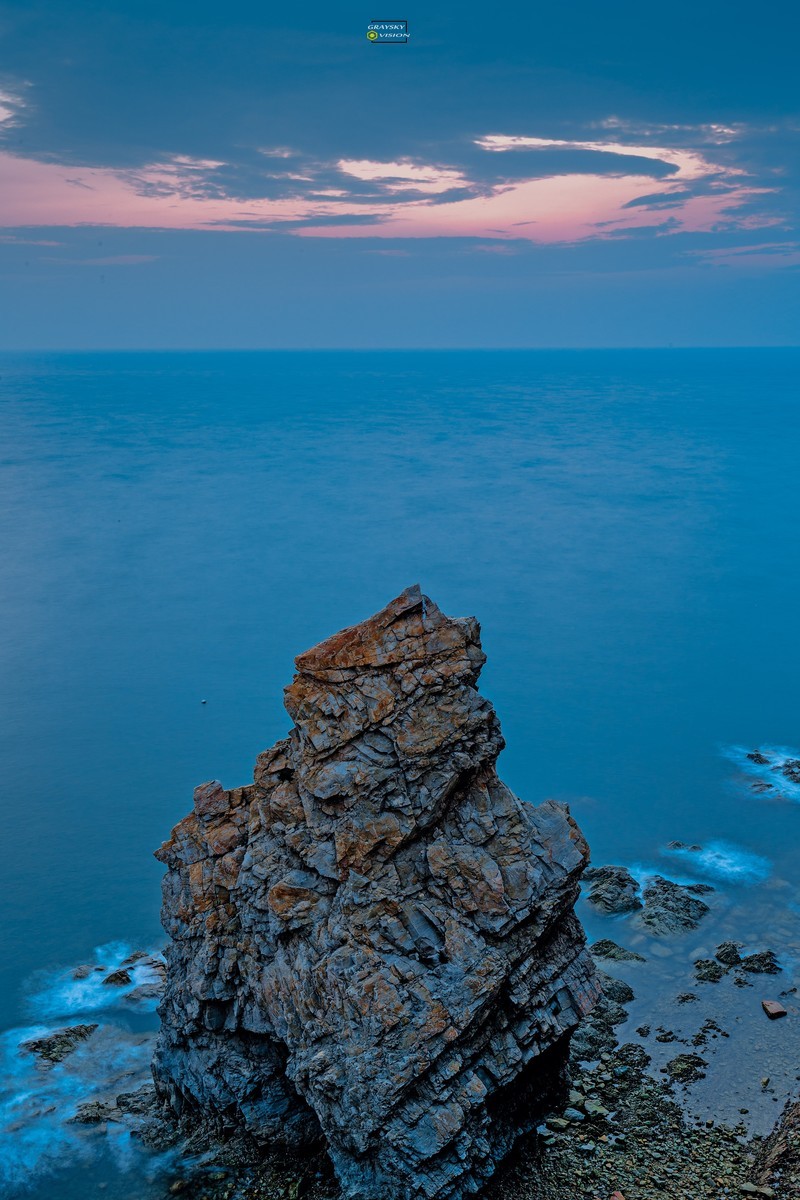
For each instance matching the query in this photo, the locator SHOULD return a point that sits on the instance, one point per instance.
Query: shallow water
(175, 527)
(746, 1047)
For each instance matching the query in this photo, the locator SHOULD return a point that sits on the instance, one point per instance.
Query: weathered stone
(791, 769)
(558, 1124)
(376, 939)
(778, 1159)
(728, 953)
(596, 1033)
(763, 963)
(54, 1047)
(615, 989)
(612, 889)
(605, 948)
(672, 907)
(145, 992)
(94, 1112)
(142, 1101)
(686, 1068)
(707, 970)
(120, 978)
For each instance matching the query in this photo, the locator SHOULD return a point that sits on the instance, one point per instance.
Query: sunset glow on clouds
(404, 176)
(558, 208)
(676, 189)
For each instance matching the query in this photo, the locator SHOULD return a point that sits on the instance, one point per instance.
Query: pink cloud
(688, 164)
(10, 108)
(557, 208)
(404, 176)
(162, 196)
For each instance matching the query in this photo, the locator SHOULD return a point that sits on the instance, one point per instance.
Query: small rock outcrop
(605, 948)
(672, 907)
(661, 906)
(56, 1046)
(613, 889)
(376, 940)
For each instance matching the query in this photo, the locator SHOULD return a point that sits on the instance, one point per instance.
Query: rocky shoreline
(378, 984)
(620, 1130)
(617, 1132)
(623, 1128)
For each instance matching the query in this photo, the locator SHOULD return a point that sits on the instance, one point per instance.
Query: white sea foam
(59, 994)
(768, 778)
(644, 874)
(723, 861)
(38, 1099)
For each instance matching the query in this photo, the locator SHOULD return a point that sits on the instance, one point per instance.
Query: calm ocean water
(176, 527)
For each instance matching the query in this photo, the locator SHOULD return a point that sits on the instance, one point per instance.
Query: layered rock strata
(375, 942)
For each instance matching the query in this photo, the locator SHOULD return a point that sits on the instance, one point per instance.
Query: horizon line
(381, 349)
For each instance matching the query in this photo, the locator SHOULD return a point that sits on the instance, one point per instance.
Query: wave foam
(61, 994)
(775, 770)
(723, 861)
(38, 1100)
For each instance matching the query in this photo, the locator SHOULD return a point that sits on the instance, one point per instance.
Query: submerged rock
(686, 1068)
(376, 940)
(84, 971)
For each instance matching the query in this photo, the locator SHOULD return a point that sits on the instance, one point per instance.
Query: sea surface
(176, 527)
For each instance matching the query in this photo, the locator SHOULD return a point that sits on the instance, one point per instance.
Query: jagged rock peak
(376, 940)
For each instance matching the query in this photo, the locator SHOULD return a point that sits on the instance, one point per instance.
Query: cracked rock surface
(375, 942)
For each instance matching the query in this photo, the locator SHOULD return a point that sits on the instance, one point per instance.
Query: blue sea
(176, 527)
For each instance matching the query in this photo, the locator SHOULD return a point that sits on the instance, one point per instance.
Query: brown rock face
(376, 940)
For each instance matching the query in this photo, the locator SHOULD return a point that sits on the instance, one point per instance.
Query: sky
(207, 175)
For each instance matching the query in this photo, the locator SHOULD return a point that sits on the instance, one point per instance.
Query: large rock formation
(377, 938)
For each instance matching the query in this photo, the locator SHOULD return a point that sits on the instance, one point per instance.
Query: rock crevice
(375, 942)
